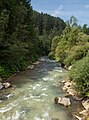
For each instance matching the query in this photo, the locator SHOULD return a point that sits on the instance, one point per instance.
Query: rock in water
(6, 85)
(1, 86)
(64, 101)
(6, 96)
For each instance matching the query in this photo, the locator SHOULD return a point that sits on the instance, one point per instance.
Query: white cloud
(75, 13)
(57, 11)
(81, 15)
(87, 6)
(62, 13)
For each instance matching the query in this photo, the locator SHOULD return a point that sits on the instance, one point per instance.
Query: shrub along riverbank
(72, 49)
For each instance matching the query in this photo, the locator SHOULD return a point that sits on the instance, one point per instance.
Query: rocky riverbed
(82, 114)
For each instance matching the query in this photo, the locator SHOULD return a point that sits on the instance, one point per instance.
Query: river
(33, 92)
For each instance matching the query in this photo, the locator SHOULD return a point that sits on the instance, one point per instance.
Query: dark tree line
(47, 24)
(47, 27)
(24, 35)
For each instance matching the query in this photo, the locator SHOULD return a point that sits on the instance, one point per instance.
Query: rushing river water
(33, 92)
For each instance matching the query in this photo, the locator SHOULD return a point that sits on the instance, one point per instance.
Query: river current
(33, 92)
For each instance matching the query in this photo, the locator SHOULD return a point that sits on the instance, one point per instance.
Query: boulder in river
(6, 85)
(62, 100)
(1, 86)
(6, 96)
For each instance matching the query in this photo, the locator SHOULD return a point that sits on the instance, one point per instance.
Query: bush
(51, 55)
(80, 76)
(4, 73)
(76, 53)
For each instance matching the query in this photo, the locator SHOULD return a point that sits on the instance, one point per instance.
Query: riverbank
(83, 113)
(8, 84)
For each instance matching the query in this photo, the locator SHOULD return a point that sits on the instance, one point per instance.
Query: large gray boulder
(6, 85)
(62, 100)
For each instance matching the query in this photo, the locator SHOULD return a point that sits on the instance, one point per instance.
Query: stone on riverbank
(66, 85)
(70, 67)
(79, 118)
(6, 85)
(31, 67)
(64, 101)
(1, 86)
(36, 63)
(86, 104)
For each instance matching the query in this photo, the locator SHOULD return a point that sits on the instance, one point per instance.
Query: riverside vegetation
(71, 48)
(25, 35)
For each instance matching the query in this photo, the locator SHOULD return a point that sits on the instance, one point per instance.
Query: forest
(26, 35)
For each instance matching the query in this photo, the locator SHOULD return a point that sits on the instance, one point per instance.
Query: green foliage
(75, 53)
(72, 45)
(17, 36)
(60, 52)
(72, 22)
(51, 55)
(85, 29)
(80, 75)
(47, 24)
(47, 27)
(72, 48)
(55, 41)
(44, 44)
(4, 73)
(67, 40)
(24, 35)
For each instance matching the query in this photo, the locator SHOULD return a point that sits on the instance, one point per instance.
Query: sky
(64, 9)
